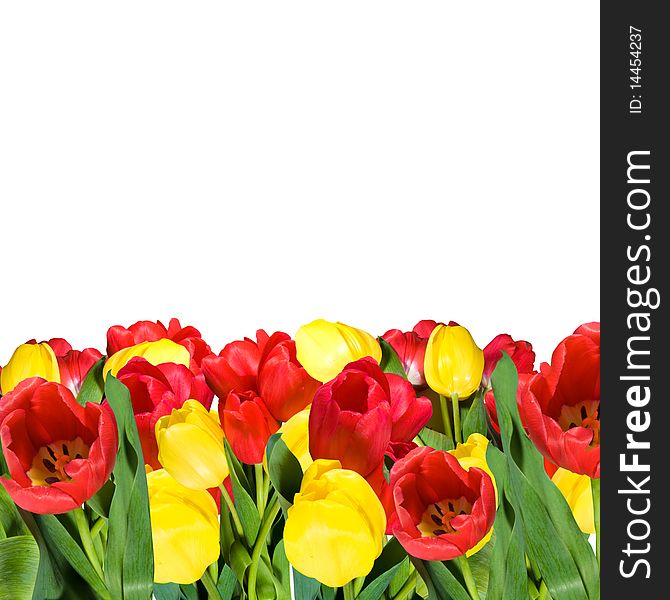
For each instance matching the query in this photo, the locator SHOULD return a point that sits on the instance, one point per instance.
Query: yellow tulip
(335, 528)
(325, 348)
(184, 527)
(190, 446)
(472, 453)
(577, 491)
(454, 363)
(29, 360)
(156, 353)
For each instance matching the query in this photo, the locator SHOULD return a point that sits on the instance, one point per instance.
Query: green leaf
(568, 564)
(129, 558)
(93, 387)
(391, 557)
(166, 591)
(102, 501)
(19, 562)
(284, 469)
(304, 588)
(227, 583)
(240, 559)
(59, 540)
(11, 523)
(441, 582)
(475, 420)
(390, 362)
(245, 505)
(435, 439)
(189, 591)
(282, 571)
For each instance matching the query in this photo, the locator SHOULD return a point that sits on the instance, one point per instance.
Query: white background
(245, 165)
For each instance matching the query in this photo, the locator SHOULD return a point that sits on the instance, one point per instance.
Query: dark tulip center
(437, 518)
(585, 414)
(50, 461)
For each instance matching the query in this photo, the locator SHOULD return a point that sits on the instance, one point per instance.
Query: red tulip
(73, 365)
(561, 405)
(520, 352)
(355, 416)
(411, 349)
(154, 392)
(267, 367)
(119, 337)
(59, 453)
(247, 425)
(442, 509)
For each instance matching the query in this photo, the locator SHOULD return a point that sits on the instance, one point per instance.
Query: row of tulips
(334, 465)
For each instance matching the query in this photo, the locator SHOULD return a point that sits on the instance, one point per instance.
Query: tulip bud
(454, 363)
(190, 446)
(29, 360)
(576, 489)
(335, 528)
(155, 353)
(184, 527)
(325, 348)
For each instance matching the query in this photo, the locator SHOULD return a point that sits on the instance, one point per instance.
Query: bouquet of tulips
(334, 465)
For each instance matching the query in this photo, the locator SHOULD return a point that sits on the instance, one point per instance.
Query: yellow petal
(577, 491)
(190, 447)
(454, 364)
(29, 360)
(472, 453)
(335, 528)
(325, 348)
(184, 527)
(295, 434)
(156, 353)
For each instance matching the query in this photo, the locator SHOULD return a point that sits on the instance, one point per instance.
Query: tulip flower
(190, 446)
(443, 510)
(325, 348)
(577, 491)
(335, 528)
(155, 390)
(119, 337)
(247, 424)
(560, 406)
(454, 363)
(59, 453)
(267, 367)
(156, 353)
(74, 365)
(520, 352)
(411, 350)
(184, 528)
(29, 360)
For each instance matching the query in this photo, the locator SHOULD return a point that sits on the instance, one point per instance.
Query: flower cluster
(323, 461)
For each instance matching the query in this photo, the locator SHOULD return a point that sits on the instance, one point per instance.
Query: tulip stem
(595, 492)
(446, 421)
(260, 485)
(87, 541)
(470, 584)
(268, 520)
(210, 585)
(348, 590)
(544, 591)
(233, 511)
(455, 407)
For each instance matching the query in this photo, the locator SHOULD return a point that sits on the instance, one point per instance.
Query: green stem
(595, 493)
(97, 538)
(446, 421)
(210, 586)
(407, 587)
(260, 485)
(457, 418)
(268, 520)
(97, 526)
(470, 584)
(233, 511)
(87, 541)
(348, 589)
